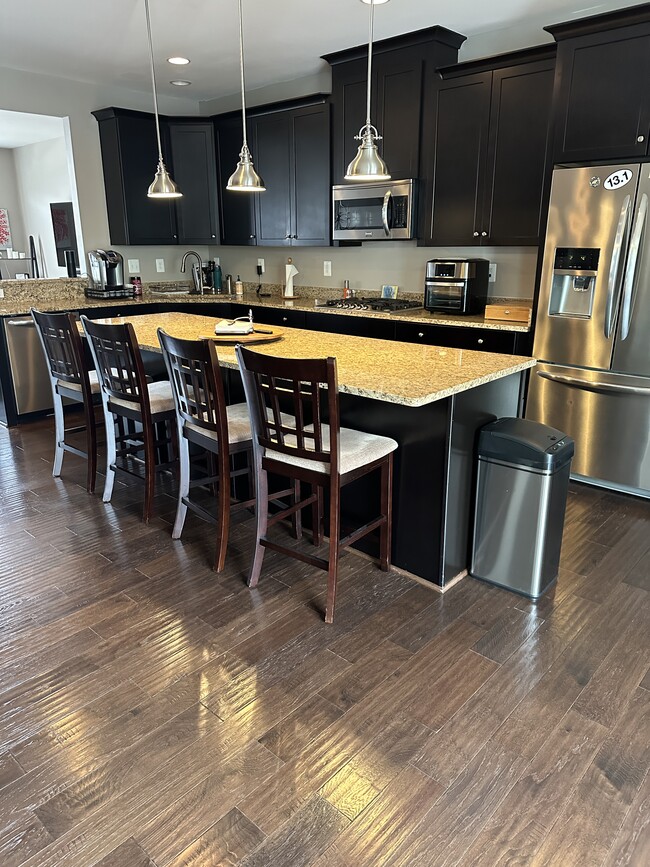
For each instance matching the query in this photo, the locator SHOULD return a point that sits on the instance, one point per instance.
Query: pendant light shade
(367, 164)
(244, 179)
(162, 186)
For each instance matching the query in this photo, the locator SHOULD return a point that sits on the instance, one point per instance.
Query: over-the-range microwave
(382, 211)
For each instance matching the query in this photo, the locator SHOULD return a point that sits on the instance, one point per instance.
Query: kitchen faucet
(197, 272)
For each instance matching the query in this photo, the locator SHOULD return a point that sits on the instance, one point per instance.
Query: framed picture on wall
(5, 231)
(65, 236)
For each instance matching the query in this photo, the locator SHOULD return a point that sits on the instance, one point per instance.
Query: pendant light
(367, 164)
(244, 179)
(162, 187)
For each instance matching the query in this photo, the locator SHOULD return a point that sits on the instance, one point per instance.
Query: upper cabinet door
(518, 153)
(129, 159)
(348, 101)
(454, 204)
(194, 161)
(271, 136)
(603, 106)
(311, 191)
(399, 111)
(237, 214)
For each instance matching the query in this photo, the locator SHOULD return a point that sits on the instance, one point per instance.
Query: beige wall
(10, 199)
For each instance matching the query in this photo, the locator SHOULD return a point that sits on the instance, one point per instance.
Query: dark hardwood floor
(154, 714)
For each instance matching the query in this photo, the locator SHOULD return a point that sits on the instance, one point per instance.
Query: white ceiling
(18, 128)
(106, 42)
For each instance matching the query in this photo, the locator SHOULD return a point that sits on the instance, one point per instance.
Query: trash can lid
(526, 443)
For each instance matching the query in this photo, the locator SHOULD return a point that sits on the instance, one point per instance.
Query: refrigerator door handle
(598, 387)
(613, 288)
(630, 272)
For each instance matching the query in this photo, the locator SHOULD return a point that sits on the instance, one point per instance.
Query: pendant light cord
(241, 72)
(153, 79)
(372, 20)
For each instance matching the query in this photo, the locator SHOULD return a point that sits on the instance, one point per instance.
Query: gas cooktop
(377, 305)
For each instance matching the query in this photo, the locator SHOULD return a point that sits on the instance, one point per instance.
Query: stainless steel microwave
(374, 211)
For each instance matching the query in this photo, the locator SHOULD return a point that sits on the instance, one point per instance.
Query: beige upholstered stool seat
(356, 449)
(76, 386)
(239, 426)
(161, 398)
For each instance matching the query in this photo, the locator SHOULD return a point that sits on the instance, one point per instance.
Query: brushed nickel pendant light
(162, 186)
(244, 179)
(367, 164)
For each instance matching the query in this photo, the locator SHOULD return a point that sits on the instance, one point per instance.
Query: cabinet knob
(214, 236)
(420, 333)
(640, 138)
(288, 237)
(476, 234)
(480, 340)
(483, 234)
(284, 318)
(251, 237)
(174, 236)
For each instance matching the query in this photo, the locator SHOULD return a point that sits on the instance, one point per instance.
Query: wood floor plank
(368, 672)
(290, 736)
(10, 770)
(129, 854)
(632, 843)
(506, 634)
(587, 828)
(225, 844)
(314, 827)
(21, 840)
(524, 817)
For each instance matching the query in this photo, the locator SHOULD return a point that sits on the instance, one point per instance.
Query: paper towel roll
(290, 273)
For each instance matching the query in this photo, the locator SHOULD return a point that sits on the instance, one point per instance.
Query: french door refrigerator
(592, 334)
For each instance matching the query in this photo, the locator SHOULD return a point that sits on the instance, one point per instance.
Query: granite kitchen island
(430, 399)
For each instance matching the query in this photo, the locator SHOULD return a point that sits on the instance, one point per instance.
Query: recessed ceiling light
(376, 2)
(178, 61)
(180, 82)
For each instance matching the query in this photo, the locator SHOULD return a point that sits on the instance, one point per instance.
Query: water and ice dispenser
(575, 270)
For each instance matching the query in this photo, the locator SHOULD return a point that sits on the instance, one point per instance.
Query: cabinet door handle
(480, 340)
(284, 318)
(483, 234)
(640, 138)
(420, 333)
(476, 234)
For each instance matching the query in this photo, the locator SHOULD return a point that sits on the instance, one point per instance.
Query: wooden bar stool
(303, 448)
(69, 378)
(136, 406)
(205, 421)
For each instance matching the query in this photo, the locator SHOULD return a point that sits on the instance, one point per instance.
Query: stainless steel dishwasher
(29, 372)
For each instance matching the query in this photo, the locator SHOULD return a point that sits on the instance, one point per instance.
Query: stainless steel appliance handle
(598, 387)
(630, 271)
(384, 211)
(613, 287)
(574, 272)
(21, 323)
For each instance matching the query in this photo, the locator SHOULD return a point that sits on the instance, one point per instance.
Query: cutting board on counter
(248, 339)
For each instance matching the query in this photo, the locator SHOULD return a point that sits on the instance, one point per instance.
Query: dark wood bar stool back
(69, 377)
(131, 403)
(205, 420)
(294, 409)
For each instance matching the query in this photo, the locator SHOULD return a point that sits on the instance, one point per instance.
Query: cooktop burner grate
(378, 305)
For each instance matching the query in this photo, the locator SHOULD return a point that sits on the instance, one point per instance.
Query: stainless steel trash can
(521, 491)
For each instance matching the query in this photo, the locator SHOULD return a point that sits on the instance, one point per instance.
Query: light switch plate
(492, 273)
(160, 265)
(2, 293)
(327, 269)
(261, 264)
(134, 266)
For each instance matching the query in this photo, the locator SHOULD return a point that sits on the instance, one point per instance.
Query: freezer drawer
(608, 416)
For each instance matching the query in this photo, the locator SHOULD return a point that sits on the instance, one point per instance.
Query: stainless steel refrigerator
(592, 334)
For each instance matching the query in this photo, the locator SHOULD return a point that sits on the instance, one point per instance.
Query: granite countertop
(396, 372)
(49, 295)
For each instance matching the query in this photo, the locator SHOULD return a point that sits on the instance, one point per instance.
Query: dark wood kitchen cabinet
(400, 69)
(236, 210)
(459, 337)
(292, 151)
(129, 159)
(486, 155)
(602, 110)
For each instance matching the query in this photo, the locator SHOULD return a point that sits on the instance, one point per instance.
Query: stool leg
(223, 508)
(149, 470)
(59, 435)
(317, 515)
(335, 531)
(261, 524)
(385, 531)
(296, 518)
(91, 445)
(183, 485)
(110, 456)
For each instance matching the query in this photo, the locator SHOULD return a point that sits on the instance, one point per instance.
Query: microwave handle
(384, 212)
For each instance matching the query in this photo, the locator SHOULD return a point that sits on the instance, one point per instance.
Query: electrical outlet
(160, 265)
(260, 263)
(327, 269)
(134, 266)
(492, 273)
